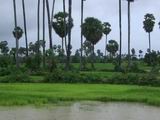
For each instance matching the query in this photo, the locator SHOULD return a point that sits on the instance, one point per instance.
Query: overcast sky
(105, 10)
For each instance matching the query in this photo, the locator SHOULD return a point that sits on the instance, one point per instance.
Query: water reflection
(83, 111)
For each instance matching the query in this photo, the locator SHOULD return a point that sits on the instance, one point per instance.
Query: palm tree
(106, 31)
(82, 7)
(49, 24)
(38, 31)
(92, 30)
(17, 33)
(58, 25)
(129, 30)
(43, 33)
(52, 14)
(15, 23)
(112, 47)
(65, 30)
(69, 47)
(149, 22)
(120, 31)
(25, 26)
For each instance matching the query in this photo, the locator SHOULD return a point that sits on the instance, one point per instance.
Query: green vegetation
(39, 94)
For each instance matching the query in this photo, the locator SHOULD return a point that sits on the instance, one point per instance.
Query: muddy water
(83, 111)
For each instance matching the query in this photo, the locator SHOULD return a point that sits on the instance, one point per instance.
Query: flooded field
(83, 111)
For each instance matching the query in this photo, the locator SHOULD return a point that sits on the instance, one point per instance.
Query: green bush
(16, 78)
(4, 71)
(16, 75)
(59, 76)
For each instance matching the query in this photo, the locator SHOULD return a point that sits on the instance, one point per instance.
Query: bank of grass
(40, 94)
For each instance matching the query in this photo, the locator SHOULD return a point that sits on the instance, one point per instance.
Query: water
(83, 111)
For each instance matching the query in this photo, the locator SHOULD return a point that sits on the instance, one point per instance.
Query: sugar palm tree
(92, 30)
(38, 31)
(82, 7)
(44, 33)
(65, 30)
(49, 24)
(15, 23)
(25, 26)
(69, 47)
(106, 31)
(149, 22)
(120, 31)
(58, 25)
(129, 30)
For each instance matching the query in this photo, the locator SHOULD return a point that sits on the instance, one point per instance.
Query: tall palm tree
(15, 23)
(149, 22)
(49, 24)
(82, 7)
(92, 29)
(120, 31)
(44, 33)
(69, 34)
(38, 31)
(64, 11)
(129, 30)
(25, 26)
(106, 31)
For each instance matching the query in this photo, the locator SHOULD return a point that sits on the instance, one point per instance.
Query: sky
(104, 10)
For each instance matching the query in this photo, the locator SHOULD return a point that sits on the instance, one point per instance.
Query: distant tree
(106, 31)
(140, 53)
(4, 47)
(133, 52)
(112, 47)
(17, 33)
(13, 53)
(149, 22)
(22, 51)
(92, 29)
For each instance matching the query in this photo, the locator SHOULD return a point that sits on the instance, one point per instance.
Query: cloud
(105, 10)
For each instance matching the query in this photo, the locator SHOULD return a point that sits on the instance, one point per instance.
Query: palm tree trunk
(129, 33)
(38, 31)
(120, 31)
(92, 58)
(44, 34)
(49, 25)
(69, 36)
(64, 11)
(82, 6)
(52, 14)
(105, 46)
(62, 44)
(149, 36)
(17, 43)
(25, 27)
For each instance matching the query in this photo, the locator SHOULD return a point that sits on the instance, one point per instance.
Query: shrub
(4, 71)
(17, 77)
(59, 76)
